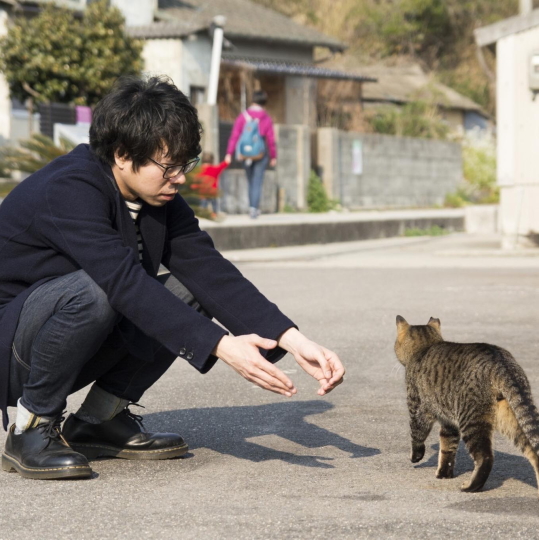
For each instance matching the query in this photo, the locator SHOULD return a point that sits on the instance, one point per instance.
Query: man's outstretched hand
(241, 354)
(321, 363)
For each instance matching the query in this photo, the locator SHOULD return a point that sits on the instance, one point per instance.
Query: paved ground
(262, 466)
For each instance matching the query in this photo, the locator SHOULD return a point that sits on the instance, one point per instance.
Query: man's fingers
(285, 385)
(273, 386)
(274, 373)
(337, 369)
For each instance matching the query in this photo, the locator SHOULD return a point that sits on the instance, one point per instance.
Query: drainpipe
(526, 7)
(218, 24)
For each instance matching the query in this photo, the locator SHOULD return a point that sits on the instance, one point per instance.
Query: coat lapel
(152, 223)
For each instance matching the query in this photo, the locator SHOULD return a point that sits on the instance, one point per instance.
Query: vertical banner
(357, 157)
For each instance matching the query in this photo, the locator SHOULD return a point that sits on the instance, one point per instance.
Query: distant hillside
(436, 33)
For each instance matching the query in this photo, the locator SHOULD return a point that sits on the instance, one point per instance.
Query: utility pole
(218, 24)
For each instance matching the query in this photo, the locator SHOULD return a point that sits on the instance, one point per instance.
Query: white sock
(25, 419)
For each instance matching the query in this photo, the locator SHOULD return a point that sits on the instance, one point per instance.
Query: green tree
(57, 56)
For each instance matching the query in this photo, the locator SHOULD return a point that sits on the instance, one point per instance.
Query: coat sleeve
(216, 283)
(75, 220)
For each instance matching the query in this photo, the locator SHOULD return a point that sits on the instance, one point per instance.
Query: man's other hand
(241, 354)
(321, 363)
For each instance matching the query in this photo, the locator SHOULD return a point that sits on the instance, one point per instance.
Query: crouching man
(81, 298)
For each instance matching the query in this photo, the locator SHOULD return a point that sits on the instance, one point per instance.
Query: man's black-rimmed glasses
(174, 170)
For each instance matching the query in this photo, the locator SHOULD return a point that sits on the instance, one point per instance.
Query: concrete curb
(235, 237)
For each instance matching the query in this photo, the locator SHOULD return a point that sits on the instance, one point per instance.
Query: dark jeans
(255, 179)
(66, 339)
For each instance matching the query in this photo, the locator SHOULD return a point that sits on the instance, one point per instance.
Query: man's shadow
(505, 466)
(227, 429)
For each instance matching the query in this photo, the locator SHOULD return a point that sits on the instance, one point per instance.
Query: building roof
(405, 83)
(165, 30)
(244, 19)
(289, 68)
(489, 35)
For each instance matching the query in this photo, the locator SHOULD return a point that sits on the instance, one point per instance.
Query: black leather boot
(42, 453)
(124, 437)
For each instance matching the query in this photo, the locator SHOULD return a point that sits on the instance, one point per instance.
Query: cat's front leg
(449, 442)
(421, 423)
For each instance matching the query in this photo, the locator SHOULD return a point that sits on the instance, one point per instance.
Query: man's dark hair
(260, 97)
(141, 117)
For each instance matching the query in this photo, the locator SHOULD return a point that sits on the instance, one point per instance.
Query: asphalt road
(262, 466)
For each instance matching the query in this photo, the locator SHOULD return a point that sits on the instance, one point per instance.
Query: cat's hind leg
(507, 424)
(449, 442)
(477, 436)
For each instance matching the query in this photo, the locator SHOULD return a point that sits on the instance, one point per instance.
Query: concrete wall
(372, 171)
(517, 138)
(287, 185)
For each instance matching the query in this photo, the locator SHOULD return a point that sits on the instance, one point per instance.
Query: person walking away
(254, 138)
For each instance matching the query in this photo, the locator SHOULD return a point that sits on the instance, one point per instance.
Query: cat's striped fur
(471, 389)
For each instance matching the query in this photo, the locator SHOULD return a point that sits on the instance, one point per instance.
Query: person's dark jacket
(70, 215)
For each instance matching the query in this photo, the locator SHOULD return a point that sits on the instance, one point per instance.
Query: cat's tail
(513, 385)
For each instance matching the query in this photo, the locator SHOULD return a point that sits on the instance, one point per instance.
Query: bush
(479, 186)
(317, 198)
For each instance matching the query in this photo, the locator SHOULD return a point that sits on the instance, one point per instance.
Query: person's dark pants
(65, 340)
(255, 178)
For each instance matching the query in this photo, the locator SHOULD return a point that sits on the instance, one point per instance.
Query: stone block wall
(381, 171)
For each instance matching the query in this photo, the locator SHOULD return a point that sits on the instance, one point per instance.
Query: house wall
(454, 118)
(373, 171)
(517, 138)
(300, 100)
(136, 12)
(164, 57)
(253, 49)
(196, 62)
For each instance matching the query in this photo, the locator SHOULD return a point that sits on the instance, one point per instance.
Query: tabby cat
(471, 389)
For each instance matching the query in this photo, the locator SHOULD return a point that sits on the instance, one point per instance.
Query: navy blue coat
(70, 215)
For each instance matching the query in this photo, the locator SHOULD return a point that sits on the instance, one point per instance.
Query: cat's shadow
(506, 466)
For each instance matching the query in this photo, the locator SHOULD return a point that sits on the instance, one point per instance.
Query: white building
(515, 41)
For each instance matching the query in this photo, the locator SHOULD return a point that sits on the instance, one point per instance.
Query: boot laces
(135, 417)
(51, 430)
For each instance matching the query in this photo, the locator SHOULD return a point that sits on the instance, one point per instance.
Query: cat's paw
(470, 487)
(444, 472)
(446, 467)
(418, 451)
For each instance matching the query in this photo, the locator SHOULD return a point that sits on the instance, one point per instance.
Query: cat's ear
(435, 323)
(402, 325)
